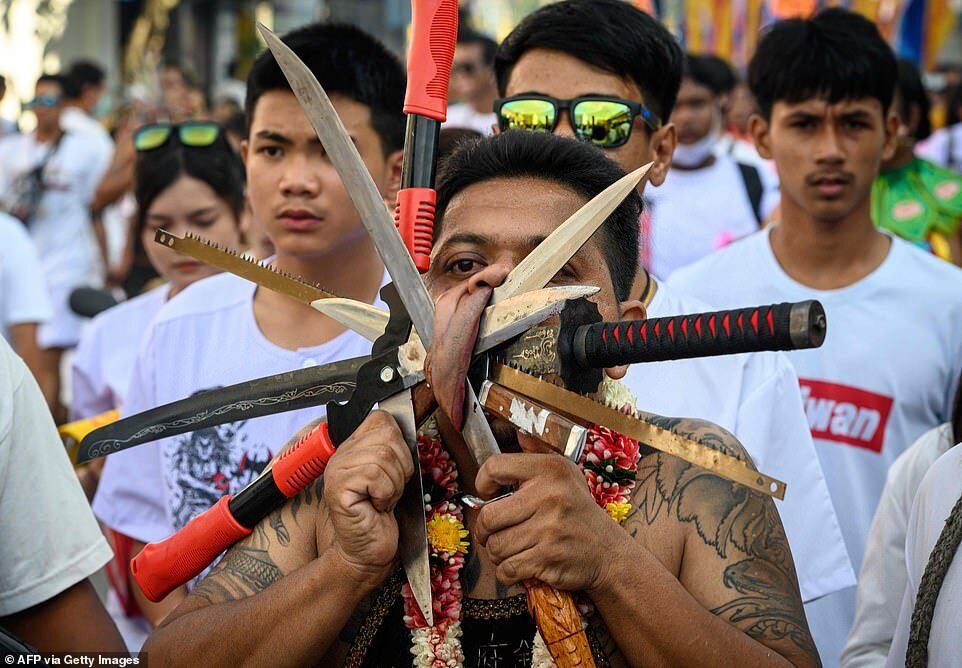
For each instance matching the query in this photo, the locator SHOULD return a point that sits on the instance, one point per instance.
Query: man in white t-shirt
(936, 516)
(708, 199)
(85, 83)
(472, 82)
(890, 362)
(224, 330)
(50, 543)
(24, 304)
(555, 52)
(59, 222)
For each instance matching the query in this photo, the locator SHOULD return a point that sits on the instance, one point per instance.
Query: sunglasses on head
(604, 121)
(196, 134)
(43, 101)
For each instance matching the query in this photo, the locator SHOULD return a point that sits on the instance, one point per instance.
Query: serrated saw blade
(637, 427)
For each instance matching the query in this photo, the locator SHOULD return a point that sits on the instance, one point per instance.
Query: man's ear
(245, 147)
(759, 129)
(630, 310)
(892, 124)
(662, 147)
(393, 170)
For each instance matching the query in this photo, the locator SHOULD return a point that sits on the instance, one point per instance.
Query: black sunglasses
(603, 121)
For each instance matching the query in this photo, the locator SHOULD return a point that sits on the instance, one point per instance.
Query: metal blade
(553, 253)
(359, 185)
(535, 351)
(557, 431)
(264, 275)
(412, 531)
(499, 323)
(637, 427)
(282, 392)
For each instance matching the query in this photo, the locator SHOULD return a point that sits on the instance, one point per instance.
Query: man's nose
(828, 148)
(564, 127)
(300, 177)
(491, 276)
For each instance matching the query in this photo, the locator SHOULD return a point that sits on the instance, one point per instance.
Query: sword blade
(359, 185)
(251, 399)
(553, 253)
(412, 530)
(639, 428)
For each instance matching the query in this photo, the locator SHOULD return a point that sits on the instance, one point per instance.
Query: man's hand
(551, 529)
(362, 484)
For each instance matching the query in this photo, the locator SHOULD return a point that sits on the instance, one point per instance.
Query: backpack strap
(753, 185)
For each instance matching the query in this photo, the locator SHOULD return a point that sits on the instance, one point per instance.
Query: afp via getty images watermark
(88, 660)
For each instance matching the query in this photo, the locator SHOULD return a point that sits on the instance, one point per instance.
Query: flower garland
(609, 463)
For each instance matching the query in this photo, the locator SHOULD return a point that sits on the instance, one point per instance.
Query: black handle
(787, 326)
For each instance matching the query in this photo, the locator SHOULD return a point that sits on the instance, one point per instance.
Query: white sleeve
(51, 540)
(900, 643)
(25, 297)
(131, 494)
(771, 422)
(882, 579)
(89, 392)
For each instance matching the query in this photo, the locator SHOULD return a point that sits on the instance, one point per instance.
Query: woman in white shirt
(188, 180)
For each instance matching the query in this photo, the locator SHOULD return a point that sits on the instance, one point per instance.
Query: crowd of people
(815, 174)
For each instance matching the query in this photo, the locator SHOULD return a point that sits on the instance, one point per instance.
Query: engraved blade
(265, 276)
(553, 253)
(637, 427)
(359, 185)
(412, 532)
(279, 393)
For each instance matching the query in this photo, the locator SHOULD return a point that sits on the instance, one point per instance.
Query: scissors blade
(412, 532)
(553, 253)
(359, 185)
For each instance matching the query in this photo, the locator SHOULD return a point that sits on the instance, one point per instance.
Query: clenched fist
(362, 483)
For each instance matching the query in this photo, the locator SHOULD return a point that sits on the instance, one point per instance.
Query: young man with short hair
(629, 67)
(890, 363)
(700, 572)
(686, 221)
(47, 180)
(224, 330)
(472, 82)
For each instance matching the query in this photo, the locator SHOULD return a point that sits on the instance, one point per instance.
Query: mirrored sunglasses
(42, 101)
(197, 134)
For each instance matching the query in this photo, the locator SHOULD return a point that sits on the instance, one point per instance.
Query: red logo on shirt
(845, 414)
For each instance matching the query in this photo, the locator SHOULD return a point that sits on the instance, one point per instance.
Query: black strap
(753, 184)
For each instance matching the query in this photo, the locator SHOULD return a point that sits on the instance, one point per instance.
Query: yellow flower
(618, 510)
(447, 534)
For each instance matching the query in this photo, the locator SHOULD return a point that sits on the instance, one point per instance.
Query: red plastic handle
(304, 463)
(434, 34)
(414, 218)
(162, 567)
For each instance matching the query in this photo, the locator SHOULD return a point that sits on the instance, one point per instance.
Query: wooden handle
(559, 622)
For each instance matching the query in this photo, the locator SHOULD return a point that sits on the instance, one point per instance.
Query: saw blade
(254, 271)
(637, 427)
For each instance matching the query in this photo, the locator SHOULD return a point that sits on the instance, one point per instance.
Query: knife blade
(282, 392)
(638, 427)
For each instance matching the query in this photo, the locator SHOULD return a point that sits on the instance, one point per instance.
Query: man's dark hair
(912, 94)
(81, 74)
(345, 60)
(58, 79)
(575, 165)
(711, 72)
(836, 55)
(612, 35)
(468, 35)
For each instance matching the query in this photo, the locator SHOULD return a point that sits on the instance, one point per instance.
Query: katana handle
(434, 35)
(787, 326)
(163, 566)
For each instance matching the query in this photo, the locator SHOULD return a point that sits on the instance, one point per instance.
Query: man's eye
(271, 151)
(464, 267)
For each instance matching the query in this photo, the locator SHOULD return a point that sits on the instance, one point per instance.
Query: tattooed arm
(709, 577)
(282, 595)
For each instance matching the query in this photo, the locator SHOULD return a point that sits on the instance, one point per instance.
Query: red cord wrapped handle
(434, 34)
(162, 567)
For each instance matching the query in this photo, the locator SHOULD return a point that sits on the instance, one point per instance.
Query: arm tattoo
(242, 572)
(734, 521)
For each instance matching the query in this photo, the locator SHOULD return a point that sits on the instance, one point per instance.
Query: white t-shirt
(104, 359)
(77, 121)
(881, 581)
(204, 338)
(886, 374)
(943, 147)
(938, 494)
(49, 539)
(755, 396)
(463, 115)
(695, 212)
(23, 293)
